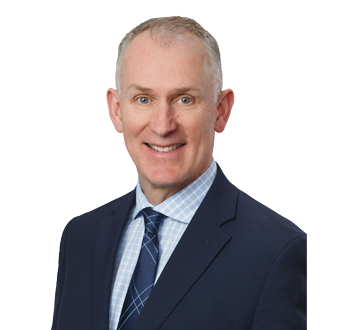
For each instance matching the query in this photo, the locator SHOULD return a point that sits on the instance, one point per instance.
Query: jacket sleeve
(282, 304)
(60, 279)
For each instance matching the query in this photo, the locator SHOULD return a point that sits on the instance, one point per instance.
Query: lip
(164, 153)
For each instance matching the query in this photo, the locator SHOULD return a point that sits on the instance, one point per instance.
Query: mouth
(165, 149)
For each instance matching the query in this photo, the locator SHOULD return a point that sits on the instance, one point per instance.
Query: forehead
(147, 41)
(183, 61)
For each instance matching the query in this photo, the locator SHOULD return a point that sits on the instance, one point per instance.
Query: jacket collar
(220, 203)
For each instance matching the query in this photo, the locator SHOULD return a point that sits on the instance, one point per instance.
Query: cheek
(133, 124)
(130, 134)
(203, 125)
(207, 134)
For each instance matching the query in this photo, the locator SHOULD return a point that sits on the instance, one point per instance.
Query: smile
(164, 149)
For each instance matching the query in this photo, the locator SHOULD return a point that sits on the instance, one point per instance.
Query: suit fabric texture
(239, 265)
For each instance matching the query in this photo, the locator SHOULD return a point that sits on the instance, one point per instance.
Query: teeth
(165, 149)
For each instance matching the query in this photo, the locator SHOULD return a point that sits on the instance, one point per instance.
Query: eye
(143, 100)
(185, 100)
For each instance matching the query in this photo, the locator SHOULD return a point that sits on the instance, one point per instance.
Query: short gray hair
(164, 30)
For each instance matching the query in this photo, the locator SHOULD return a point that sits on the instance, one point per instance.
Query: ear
(114, 109)
(223, 109)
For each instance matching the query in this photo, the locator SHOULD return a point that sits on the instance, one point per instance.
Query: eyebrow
(140, 88)
(174, 91)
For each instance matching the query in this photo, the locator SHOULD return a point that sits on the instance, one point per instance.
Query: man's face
(166, 111)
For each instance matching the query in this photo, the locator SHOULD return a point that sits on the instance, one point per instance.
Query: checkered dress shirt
(179, 210)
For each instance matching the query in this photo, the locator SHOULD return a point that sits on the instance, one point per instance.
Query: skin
(166, 98)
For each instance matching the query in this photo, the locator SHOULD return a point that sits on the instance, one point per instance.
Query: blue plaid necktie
(142, 281)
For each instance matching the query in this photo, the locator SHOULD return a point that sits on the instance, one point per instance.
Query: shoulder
(261, 234)
(263, 218)
(250, 223)
(89, 220)
(240, 213)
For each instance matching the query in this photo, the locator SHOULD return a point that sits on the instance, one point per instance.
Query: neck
(157, 195)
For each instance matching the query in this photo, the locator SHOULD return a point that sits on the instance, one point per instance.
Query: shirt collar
(183, 205)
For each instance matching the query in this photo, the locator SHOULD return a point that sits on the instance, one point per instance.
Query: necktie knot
(152, 220)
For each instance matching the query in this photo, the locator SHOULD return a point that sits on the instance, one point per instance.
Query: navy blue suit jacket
(239, 266)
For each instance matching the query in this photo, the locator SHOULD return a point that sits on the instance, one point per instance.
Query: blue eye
(185, 100)
(144, 100)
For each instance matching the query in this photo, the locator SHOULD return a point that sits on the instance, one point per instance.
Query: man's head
(166, 109)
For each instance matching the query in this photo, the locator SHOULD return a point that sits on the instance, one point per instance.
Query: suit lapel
(108, 234)
(201, 243)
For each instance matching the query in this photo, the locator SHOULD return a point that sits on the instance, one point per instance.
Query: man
(186, 249)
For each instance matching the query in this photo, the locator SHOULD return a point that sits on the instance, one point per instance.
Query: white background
(286, 144)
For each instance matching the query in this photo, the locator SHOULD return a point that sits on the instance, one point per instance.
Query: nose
(163, 120)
